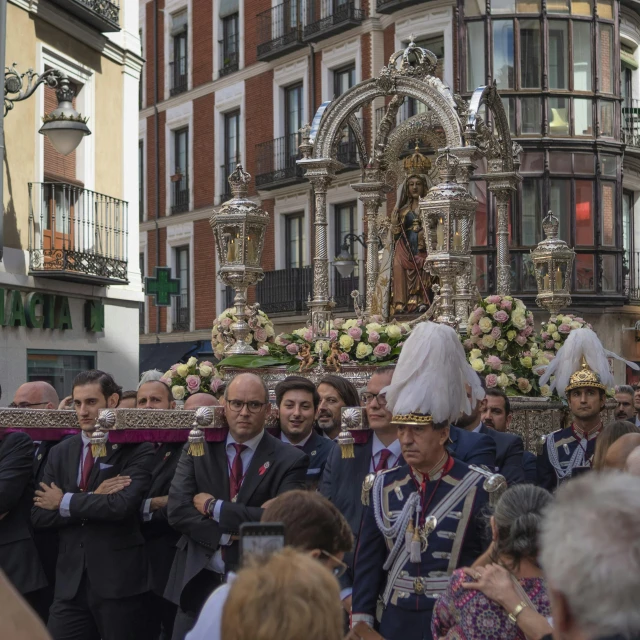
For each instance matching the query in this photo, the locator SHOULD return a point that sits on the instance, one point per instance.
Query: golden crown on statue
(416, 163)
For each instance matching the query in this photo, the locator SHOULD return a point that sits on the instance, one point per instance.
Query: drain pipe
(157, 147)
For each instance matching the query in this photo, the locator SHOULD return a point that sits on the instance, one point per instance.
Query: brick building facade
(233, 81)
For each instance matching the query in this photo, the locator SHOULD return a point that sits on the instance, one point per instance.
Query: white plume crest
(580, 343)
(431, 375)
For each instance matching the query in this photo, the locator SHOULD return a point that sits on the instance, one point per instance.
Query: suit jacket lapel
(363, 463)
(75, 459)
(252, 477)
(111, 451)
(218, 451)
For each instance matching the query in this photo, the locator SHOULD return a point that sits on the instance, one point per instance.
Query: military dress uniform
(416, 531)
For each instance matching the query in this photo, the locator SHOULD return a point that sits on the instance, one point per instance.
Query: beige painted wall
(22, 123)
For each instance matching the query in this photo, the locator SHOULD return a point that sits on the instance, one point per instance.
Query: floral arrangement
(502, 345)
(351, 340)
(555, 331)
(261, 336)
(192, 377)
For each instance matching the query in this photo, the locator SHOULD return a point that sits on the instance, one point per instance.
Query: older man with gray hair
(591, 558)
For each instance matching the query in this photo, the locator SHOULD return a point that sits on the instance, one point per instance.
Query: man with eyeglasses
(212, 495)
(343, 478)
(41, 395)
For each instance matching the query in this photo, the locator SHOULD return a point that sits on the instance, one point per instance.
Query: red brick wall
(251, 34)
(202, 42)
(389, 41)
(203, 266)
(149, 53)
(151, 263)
(203, 144)
(258, 125)
(151, 165)
(318, 83)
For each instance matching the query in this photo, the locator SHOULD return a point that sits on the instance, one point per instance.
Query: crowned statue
(403, 286)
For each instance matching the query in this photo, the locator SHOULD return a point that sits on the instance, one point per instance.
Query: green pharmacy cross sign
(162, 286)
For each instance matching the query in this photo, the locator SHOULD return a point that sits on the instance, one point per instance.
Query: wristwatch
(517, 611)
(212, 506)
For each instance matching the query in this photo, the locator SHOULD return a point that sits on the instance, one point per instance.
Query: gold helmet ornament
(584, 377)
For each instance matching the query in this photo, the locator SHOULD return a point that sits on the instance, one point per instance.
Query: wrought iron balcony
(631, 123)
(179, 192)
(229, 55)
(181, 315)
(389, 6)
(280, 30)
(326, 18)
(77, 234)
(342, 288)
(179, 73)
(347, 149)
(276, 162)
(285, 290)
(100, 14)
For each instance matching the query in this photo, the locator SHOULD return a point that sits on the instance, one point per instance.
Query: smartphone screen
(260, 538)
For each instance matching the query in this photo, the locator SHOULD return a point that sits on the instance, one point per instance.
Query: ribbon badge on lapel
(263, 469)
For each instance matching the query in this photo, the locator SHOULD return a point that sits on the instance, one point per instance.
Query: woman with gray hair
(467, 614)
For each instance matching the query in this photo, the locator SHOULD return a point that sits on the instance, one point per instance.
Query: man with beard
(297, 400)
(335, 393)
(624, 404)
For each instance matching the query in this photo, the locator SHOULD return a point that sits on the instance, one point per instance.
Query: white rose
(269, 329)
(350, 323)
(205, 370)
(192, 362)
(177, 392)
(393, 330)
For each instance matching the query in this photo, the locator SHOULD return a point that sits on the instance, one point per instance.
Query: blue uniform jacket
(565, 443)
(472, 448)
(462, 533)
(509, 450)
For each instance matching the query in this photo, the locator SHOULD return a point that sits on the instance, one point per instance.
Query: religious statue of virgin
(403, 286)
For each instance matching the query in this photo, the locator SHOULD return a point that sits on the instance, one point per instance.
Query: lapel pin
(39, 456)
(313, 453)
(263, 468)
(114, 447)
(166, 455)
(398, 492)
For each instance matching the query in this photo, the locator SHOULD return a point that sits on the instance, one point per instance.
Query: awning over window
(228, 8)
(628, 60)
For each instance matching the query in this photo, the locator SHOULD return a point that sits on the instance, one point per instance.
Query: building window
(142, 304)
(231, 149)
(180, 177)
(179, 67)
(476, 74)
(343, 79)
(58, 368)
(294, 240)
(344, 224)
(141, 80)
(229, 45)
(293, 114)
(141, 180)
(629, 262)
(182, 312)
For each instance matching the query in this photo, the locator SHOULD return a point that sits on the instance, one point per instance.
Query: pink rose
(359, 323)
(343, 357)
(215, 385)
(530, 319)
(174, 367)
(468, 344)
(374, 337)
(167, 381)
(494, 362)
(496, 333)
(206, 363)
(501, 316)
(226, 322)
(545, 335)
(494, 299)
(193, 383)
(338, 322)
(564, 328)
(263, 352)
(476, 330)
(491, 381)
(376, 318)
(578, 319)
(333, 335)
(403, 329)
(527, 331)
(506, 305)
(292, 349)
(355, 333)
(261, 335)
(478, 313)
(521, 340)
(307, 335)
(549, 344)
(382, 350)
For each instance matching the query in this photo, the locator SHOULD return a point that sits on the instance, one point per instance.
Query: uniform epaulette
(367, 484)
(494, 483)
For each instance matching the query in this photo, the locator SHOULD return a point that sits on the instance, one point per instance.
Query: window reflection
(558, 54)
(475, 55)
(584, 272)
(581, 56)
(529, 54)
(503, 53)
(559, 116)
(584, 212)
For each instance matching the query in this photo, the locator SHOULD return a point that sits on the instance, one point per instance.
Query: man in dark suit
(41, 395)
(212, 495)
(343, 478)
(297, 400)
(159, 536)
(335, 393)
(512, 461)
(103, 577)
(18, 555)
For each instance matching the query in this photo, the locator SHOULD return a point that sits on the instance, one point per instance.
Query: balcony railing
(103, 15)
(280, 30)
(179, 193)
(347, 149)
(632, 277)
(181, 316)
(229, 55)
(326, 18)
(389, 6)
(77, 234)
(178, 70)
(631, 122)
(225, 171)
(276, 162)
(342, 288)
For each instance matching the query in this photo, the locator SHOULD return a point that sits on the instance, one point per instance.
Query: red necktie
(236, 477)
(87, 465)
(385, 454)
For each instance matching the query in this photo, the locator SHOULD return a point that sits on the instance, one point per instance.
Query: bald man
(619, 451)
(213, 494)
(633, 462)
(200, 400)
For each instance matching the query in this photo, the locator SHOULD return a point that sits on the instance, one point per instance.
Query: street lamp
(344, 261)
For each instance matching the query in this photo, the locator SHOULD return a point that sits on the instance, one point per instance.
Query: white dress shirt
(209, 623)
(377, 447)
(216, 563)
(66, 498)
(299, 444)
